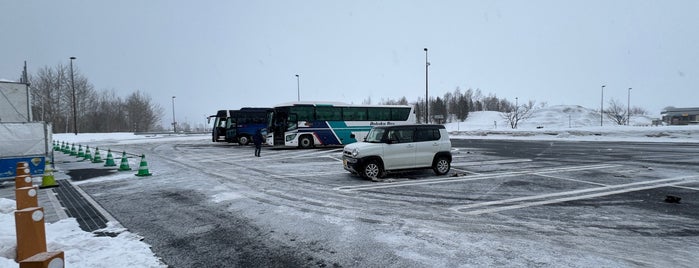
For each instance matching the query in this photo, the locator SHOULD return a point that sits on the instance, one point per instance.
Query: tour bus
(307, 124)
(239, 125)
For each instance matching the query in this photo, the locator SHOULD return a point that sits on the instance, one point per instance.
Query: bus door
(231, 130)
(283, 122)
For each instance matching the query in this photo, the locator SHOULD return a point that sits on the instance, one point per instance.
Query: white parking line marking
(465, 171)
(494, 162)
(569, 179)
(306, 174)
(471, 178)
(602, 191)
(688, 188)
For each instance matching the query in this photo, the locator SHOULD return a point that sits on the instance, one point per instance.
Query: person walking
(257, 139)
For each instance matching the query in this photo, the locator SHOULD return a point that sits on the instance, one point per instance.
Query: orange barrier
(44, 260)
(22, 169)
(23, 181)
(29, 224)
(26, 197)
(31, 233)
(23, 178)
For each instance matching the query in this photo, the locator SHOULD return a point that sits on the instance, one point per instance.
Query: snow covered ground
(81, 249)
(84, 249)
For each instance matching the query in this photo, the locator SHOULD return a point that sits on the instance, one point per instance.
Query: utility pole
(174, 122)
(298, 89)
(601, 107)
(427, 99)
(628, 108)
(75, 110)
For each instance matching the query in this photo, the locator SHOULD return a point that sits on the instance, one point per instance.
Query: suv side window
(427, 134)
(401, 135)
(405, 135)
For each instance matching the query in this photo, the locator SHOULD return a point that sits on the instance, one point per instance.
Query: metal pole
(298, 89)
(601, 107)
(72, 84)
(174, 122)
(516, 111)
(628, 108)
(427, 100)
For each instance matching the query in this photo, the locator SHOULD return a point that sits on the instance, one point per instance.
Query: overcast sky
(229, 54)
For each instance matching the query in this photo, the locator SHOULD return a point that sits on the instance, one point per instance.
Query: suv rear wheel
(372, 170)
(441, 165)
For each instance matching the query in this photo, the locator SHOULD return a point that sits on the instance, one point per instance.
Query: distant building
(680, 116)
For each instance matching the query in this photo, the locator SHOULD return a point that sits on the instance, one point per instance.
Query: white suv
(400, 147)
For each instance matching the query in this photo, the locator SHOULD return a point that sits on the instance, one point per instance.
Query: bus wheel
(305, 142)
(243, 140)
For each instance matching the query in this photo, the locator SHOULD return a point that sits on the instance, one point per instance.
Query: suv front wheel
(441, 165)
(372, 170)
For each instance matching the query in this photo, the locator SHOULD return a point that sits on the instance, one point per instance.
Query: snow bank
(569, 122)
(82, 249)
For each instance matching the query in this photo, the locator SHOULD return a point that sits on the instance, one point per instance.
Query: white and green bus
(309, 124)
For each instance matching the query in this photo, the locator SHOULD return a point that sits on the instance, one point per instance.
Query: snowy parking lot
(504, 203)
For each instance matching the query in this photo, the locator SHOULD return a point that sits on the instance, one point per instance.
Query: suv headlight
(355, 152)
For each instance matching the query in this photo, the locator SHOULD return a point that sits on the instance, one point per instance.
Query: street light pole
(174, 122)
(72, 85)
(427, 100)
(516, 111)
(298, 89)
(601, 107)
(628, 108)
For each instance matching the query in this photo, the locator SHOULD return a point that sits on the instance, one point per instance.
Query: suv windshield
(375, 135)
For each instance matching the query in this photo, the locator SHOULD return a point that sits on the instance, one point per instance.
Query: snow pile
(569, 122)
(124, 137)
(81, 249)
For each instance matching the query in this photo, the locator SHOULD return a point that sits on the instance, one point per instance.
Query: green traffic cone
(73, 152)
(110, 159)
(80, 151)
(143, 167)
(98, 157)
(124, 163)
(88, 154)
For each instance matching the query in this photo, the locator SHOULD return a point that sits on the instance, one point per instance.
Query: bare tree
(141, 113)
(616, 112)
(401, 101)
(638, 111)
(518, 113)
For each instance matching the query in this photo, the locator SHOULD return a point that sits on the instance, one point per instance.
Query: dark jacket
(257, 138)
